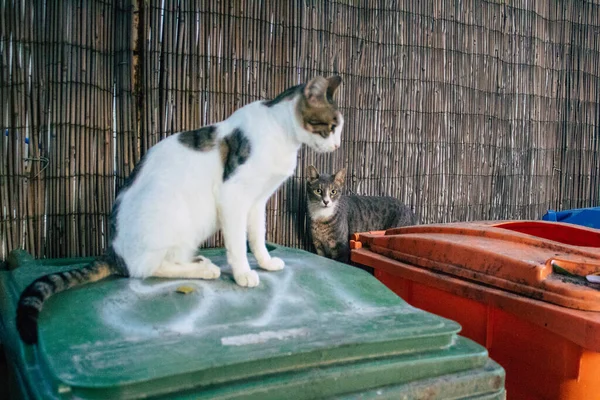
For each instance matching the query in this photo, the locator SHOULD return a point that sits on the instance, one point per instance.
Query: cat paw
(247, 279)
(210, 271)
(205, 269)
(273, 264)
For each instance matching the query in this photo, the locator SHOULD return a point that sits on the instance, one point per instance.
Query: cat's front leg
(233, 226)
(256, 238)
(319, 248)
(341, 252)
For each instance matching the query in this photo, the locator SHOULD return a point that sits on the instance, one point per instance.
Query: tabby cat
(194, 183)
(334, 217)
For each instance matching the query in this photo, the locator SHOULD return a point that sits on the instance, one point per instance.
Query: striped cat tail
(33, 297)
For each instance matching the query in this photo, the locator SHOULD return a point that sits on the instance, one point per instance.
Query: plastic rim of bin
(546, 261)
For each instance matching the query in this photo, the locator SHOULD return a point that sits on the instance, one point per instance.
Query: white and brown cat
(191, 184)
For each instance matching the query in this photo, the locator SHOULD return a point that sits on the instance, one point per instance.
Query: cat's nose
(325, 202)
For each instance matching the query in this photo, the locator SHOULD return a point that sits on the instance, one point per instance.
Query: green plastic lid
(316, 328)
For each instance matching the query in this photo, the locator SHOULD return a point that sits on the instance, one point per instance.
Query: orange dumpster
(519, 288)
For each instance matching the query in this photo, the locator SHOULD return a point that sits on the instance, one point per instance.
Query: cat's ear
(315, 90)
(333, 82)
(312, 173)
(319, 89)
(340, 177)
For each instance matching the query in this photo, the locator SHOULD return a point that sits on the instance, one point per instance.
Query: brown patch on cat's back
(223, 151)
(234, 150)
(203, 139)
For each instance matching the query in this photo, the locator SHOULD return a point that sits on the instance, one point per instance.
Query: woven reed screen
(463, 109)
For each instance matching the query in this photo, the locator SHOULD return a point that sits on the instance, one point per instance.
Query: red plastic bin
(500, 281)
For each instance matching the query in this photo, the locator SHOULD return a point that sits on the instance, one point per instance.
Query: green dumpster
(317, 329)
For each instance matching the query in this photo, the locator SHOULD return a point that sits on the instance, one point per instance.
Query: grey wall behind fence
(463, 109)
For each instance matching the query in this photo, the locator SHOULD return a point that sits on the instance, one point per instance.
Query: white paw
(247, 279)
(210, 271)
(205, 269)
(273, 264)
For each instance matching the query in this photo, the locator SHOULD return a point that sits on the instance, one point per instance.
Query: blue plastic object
(589, 217)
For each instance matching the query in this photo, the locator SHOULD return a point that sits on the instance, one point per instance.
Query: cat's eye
(333, 191)
(318, 191)
(333, 126)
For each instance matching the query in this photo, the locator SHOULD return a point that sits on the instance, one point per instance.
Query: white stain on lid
(593, 278)
(261, 337)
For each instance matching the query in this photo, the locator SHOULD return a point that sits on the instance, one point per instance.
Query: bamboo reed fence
(465, 109)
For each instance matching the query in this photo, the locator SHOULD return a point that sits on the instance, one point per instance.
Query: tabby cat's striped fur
(334, 217)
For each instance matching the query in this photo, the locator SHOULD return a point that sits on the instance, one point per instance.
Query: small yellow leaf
(185, 289)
